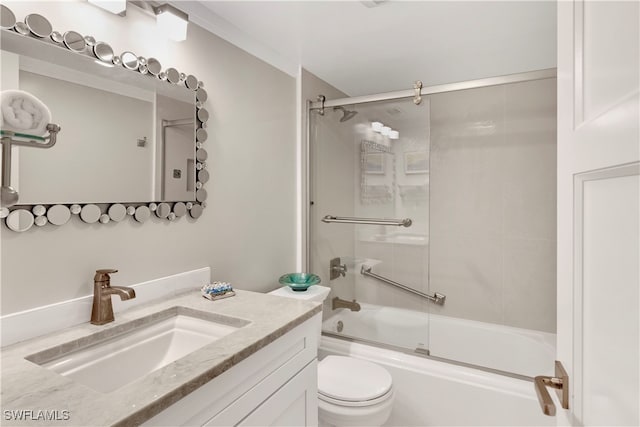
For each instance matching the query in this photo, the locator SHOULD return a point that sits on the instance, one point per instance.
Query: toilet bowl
(351, 392)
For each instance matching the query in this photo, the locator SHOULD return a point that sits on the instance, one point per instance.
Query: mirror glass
(125, 136)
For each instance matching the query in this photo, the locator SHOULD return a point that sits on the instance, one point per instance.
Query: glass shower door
(370, 163)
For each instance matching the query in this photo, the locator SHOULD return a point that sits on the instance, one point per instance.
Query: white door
(598, 210)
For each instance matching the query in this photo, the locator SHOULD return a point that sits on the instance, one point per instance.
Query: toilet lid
(352, 380)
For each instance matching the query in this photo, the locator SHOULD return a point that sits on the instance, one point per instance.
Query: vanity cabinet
(277, 385)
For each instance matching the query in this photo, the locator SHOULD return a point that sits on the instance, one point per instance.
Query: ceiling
(365, 50)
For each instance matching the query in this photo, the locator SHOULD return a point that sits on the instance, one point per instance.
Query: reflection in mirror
(196, 211)
(21, 28)
(201, 95)
(142, 131)
(103, 52)
(90, 213)
(142, 214)
(58, 214)
(20, 220)
(129, 60)
(163, 210)
(117, 212)
(7, 18)
(74, 41)
(154, 66)
(38, 25)
(57, 37)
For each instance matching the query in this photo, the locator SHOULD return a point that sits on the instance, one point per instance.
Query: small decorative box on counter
(217, 290)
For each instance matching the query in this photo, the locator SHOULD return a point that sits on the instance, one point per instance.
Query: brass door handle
(560, 382)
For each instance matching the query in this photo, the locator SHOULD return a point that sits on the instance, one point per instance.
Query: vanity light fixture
(394, 134)
(172, 21)
(385, 130)
(114, 6)
(376, 126)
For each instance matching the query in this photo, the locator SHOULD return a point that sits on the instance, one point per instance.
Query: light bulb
(376, 126)
(385, 130)
(394, 134)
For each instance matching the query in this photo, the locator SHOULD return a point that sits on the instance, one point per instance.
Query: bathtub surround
(242, 89)
(493, 204)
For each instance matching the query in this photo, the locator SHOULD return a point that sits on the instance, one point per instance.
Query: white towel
(23, 113)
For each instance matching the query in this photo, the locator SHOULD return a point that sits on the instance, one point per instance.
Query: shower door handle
(560, 382)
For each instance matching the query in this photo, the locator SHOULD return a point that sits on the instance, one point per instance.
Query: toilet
(351, 392)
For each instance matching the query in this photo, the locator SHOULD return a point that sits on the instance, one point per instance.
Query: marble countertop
(28, 386)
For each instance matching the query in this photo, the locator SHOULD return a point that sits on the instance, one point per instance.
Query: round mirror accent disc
(104, 218)
(142, 213)
(142, 60)
(203, 204)
(4, 212)
(191, 82)
(198, 166)
(203, 115)
(131, 210)
(173, 76)
(56, 37)
(171, 216)
(90, 40)
(154, 67)
(7, 18)
(196, 211)
(38, 25)
(117, 212)
(129, 60)
(201, 95)
(201, 135)
(198, 185)
(201, 195)
(103, 52)
(58, 214)
(21, 28)
(116, 60)
(163, 210)
(162, 76)
(74, 41)
(142, 69)
(153, 206)
(90, 213)
(20, 220)
(189, 205)
(183, 76)
(41, 220)
(38, 210)
(201, 155)
(203, 176)
(75, 209)
(180, 209)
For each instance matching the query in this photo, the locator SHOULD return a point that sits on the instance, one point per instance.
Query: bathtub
(434, 393)
(503, 348)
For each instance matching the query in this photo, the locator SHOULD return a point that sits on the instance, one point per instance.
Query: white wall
(247, 234)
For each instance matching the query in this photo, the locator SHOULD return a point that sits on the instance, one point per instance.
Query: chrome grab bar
(436, 297)
(371, 221)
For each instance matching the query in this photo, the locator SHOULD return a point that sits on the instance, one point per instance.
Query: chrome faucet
(102, 311)
(340, 303)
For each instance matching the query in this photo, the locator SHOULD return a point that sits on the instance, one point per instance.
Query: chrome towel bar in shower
(435, 298)
(371, 221)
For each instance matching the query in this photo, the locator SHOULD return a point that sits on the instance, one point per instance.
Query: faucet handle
(103, 274)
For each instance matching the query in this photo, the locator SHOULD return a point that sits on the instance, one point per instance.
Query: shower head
(346, 114)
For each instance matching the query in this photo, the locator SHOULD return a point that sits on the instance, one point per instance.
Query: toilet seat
(347, 381)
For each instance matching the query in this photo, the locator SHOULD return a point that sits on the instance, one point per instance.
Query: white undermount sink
(149, 344)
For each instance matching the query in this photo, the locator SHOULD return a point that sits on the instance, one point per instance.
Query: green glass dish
(299, 281)
(21, 135)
